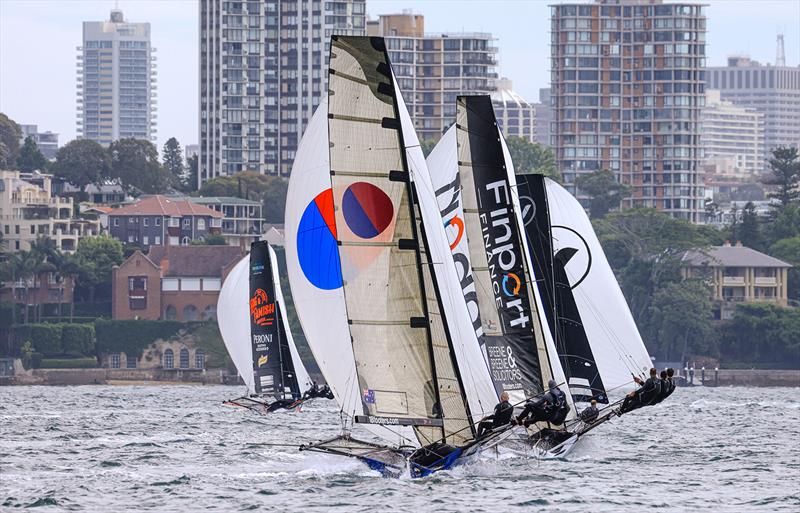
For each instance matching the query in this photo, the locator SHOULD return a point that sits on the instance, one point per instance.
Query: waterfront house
(738, 274)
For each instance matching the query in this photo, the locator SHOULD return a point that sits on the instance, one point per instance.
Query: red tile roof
(161, 205)
(194, 261)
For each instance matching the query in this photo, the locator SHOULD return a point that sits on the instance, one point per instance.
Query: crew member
(501, 416)
(551, 407)
(590, 413)
(667, 385)
(644, 396)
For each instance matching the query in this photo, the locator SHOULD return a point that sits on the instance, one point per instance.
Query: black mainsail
(555, 290)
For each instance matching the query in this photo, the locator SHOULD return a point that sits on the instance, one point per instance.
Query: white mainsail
(607, 320)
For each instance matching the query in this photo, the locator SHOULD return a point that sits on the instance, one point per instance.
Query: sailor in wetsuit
(551, 407)
(649, 390)
(590, 413)
(501, 416)
(667, 385)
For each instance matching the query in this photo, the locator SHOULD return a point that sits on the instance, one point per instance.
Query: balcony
(768, 281)
(735, 281)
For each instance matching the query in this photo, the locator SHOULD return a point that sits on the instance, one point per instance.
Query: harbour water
(177, 448)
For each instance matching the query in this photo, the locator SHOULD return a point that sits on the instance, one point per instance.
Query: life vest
(561, 407)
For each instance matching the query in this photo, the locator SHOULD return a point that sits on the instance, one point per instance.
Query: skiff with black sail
(252, 319)
(474, 186)
(417, 365)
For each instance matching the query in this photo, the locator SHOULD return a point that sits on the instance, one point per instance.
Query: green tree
(762, 333)
(788, 250)
(172, 158)
(21, 269)
(749, 230)
(192, 173)
(427, 146)
(30, 158)
(604, 191)
(82, 162)
(10, 134)
(95, 258)
(270, 190)
(784, 175)
(532, 158)
(210, 240)
(135, 163)
(681, 324)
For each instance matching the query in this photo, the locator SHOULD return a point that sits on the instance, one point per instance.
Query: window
(137, 292)
(200, 359)
(185, 241)
(174, 241)
(184, 361)
(187, 222)
(190, 313)
(157, 240)
(201, 224)
(158, 221)
(211, 284)
(113, 361)
(116, 221)
(169, 359)
(146, 240)
(210, 313)
(170, 313)
(145, 222)
(169, 284)
(130, 361)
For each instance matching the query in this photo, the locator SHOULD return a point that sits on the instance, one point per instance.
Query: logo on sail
(263, 359)
(369, 396)
(456, 222)
(511, 278)
(261, 310)
(528, 207)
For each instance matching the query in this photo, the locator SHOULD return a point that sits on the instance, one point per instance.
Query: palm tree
(23, 266)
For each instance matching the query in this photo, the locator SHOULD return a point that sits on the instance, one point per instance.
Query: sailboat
(417, 372)
(591, 342)
(255, 328)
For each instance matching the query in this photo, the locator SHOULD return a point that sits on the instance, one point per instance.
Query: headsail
(604, 314)
(253, 323)
(389, 283)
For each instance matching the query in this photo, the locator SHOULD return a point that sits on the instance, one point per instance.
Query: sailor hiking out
(590, 413)
(667, 385)
(551, 407)
(647, 393)
(501, 416)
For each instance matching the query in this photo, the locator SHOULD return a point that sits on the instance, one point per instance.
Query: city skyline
(522, 58)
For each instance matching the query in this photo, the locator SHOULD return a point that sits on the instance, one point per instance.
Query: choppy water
(176, 448)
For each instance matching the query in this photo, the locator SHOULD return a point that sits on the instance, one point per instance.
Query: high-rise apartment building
(515, 115)
(433, 69)
(733, 133)
(773, 90)
(262, 74)
(544, 117)
(47, 142)
(116, 81)
(628, 89)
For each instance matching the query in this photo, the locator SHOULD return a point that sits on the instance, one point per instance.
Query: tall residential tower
(116, 81)
(433, 69)
(262, 73)
(628, 89)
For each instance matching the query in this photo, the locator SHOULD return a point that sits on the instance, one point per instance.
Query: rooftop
(223, 200)
(162, 205)
(194, 261)
(731, 256)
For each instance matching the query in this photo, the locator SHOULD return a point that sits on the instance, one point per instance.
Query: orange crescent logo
(459, 224)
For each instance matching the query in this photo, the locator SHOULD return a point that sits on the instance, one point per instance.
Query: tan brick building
(172, 282)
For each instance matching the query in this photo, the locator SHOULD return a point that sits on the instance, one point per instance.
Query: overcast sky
(38, 40)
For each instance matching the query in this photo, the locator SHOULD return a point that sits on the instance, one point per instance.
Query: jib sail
(555, 289)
